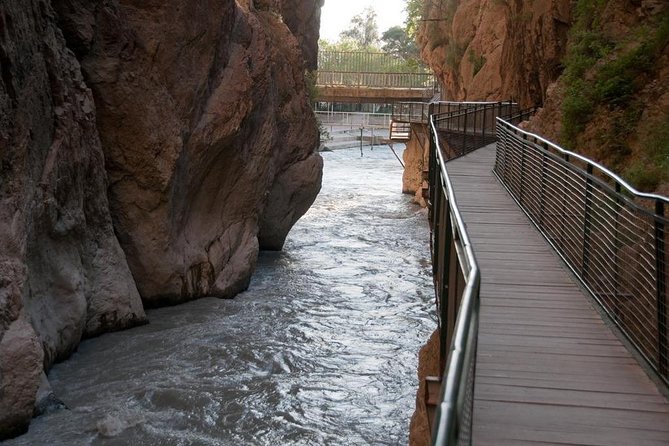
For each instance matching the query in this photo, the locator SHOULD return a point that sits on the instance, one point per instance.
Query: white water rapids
(321, 350)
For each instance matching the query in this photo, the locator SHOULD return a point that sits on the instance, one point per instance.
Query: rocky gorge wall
(495, 50)
(599, 70)
(148, 150)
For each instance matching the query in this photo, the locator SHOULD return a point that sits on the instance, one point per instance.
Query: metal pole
(464, 135)
(660, 269)
(587, 223)
(542, 197)
(361, 154)
(564, 205)
(523, 144)
(372, 138)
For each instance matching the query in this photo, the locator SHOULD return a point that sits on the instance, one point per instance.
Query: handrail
(472, 126)
(602, 228)
(423, 81)
(457, 288)
(587, 160)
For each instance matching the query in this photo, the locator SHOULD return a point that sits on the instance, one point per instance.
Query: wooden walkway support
(549, 370)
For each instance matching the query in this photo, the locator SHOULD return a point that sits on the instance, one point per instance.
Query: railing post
(587, 223)
(523, 143)
(464, 136)
(542, 196)
(485, 111)
(507, 167)
(661, 271)
(564, 205)
(615, 249)
(448, 287)
(475, 131)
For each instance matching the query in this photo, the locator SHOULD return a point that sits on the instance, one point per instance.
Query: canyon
(149, 150)
(599, 71)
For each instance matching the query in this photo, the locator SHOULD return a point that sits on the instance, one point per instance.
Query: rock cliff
(612, 101)
(600, 69)
(495, 50)
(148, 150)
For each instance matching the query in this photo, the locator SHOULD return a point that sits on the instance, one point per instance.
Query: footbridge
(550, 278)
(363, 77)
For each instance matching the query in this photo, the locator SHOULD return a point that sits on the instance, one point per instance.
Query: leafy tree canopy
(397, 42)
(414, 11)
(363, 29)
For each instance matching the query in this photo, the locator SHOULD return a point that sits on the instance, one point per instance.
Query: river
(321, 350)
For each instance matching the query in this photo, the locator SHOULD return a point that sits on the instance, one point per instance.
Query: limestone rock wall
(495, 50)
(304, 20)
(148, 150)
(207, 133)
(63, 275)
(416, 158)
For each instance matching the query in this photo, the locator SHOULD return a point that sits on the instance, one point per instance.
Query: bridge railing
(419, 112)
(457, 282)
(472, 127)
(422, 81)
(361, 61)
(354, 119)
(611, 236)
(411, 112)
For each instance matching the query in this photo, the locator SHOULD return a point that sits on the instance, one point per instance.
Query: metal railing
(354, 119)
(475, 126)
(422, 81)
(411, 112)
(611, 236)
(457, 282)
(419, 112)
(361, 61)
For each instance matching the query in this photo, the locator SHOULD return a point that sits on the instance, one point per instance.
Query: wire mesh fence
(611, 236)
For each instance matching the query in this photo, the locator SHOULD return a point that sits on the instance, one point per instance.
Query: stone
(63, 273)
(202, 127)
(491, 50)
(21, 357)
(145, 148)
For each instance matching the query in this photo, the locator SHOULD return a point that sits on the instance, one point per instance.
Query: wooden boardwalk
(549, 370)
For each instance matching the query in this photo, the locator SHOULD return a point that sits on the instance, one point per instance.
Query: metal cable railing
(411, 112)
(457, 282)
(419, 112)
(463, 131)
(611, 236)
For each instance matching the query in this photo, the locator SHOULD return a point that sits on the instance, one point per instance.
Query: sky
(336, 15)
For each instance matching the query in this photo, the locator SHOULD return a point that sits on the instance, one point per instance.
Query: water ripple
(321, 350)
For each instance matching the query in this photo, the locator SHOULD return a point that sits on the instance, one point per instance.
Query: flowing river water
(321, 350)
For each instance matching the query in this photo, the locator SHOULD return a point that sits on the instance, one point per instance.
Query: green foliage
(476, 61)
(602, 73)
(310, 78)
(323, 133)
(454, 54)
(363, 29)
(414, 10)
(397, 42)
(652, 169)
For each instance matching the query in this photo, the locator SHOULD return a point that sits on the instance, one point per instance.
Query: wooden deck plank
(549, 370)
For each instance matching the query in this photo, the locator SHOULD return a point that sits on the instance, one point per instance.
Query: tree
(363, 30)
(414, 10)
(397, 42)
